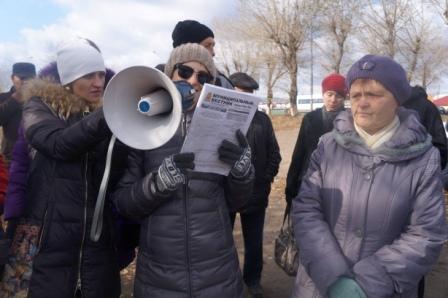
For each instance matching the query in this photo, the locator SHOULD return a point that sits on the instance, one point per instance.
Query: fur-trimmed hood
(59, 99)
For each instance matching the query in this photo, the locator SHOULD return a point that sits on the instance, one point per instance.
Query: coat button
(368, 176)
(358, 233)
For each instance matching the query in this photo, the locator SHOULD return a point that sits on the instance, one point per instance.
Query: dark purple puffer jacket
(18, 171)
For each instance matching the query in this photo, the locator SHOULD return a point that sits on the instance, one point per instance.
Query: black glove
(171, 172)
(96, 121)
(236, 156)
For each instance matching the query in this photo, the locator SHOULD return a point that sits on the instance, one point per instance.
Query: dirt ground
(275, 282)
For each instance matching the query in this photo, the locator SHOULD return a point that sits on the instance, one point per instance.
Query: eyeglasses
(185, 72)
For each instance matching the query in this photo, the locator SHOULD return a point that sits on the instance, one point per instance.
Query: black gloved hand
(236, 156)
(171, 172)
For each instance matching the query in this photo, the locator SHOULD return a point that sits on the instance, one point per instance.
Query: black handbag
(285, 251)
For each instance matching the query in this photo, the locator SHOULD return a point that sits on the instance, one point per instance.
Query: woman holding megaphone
(186, 245)
(65, 126)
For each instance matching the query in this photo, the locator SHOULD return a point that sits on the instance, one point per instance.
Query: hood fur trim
(63, 102)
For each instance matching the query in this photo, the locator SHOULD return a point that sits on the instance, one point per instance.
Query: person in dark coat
(266, 160)
(3, 180)
(186, 246)
(430, 118)
(314, 125)
(11, 106)
(191, 31)
(22, 155)
(65, 125)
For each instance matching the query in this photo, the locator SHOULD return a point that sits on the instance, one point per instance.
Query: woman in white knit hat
(65, 125)
(186, 245)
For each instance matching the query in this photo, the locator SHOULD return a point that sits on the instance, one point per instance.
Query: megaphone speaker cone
(122, 98)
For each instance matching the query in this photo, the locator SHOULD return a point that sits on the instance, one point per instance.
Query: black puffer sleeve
(56, 137)
(132, 196)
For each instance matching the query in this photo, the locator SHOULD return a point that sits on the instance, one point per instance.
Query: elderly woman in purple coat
(369, 217)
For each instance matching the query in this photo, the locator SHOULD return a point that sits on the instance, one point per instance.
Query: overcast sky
(129, 32)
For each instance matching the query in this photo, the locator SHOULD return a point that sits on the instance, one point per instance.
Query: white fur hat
(77, 59)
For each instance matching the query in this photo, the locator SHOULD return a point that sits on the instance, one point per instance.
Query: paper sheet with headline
(218, 115)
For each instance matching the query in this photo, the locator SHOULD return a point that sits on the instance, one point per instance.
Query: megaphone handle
(97, 222)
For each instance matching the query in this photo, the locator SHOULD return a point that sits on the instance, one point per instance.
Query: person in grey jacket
(369, 217)
(186, 246)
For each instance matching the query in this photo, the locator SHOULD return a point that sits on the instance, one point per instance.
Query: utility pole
(312, 65)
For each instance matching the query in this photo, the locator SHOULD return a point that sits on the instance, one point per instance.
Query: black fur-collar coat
(70, 138)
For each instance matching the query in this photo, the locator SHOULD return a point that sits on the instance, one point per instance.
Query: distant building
(306, 102)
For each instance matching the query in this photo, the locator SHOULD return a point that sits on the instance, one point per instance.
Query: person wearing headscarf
(369, 218)
(186, 245)
(314, 124)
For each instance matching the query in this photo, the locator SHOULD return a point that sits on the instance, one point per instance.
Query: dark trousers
(252, 225)
(421, 288)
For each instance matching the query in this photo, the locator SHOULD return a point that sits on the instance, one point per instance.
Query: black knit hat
(243, 80)
(24, 70)
(190, 31)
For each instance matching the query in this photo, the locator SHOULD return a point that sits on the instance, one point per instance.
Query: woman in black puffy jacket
(186, 245)
(65, 125)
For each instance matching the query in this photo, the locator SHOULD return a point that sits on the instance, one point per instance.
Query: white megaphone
(142, 107)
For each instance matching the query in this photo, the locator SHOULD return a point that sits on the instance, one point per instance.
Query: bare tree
(337, 24)
(236, 57)
(418, 45)
(415, 41)
(247, 51)
(442, 8)
(286, 23)
(274, 72)
(429, 68)
(382, 24)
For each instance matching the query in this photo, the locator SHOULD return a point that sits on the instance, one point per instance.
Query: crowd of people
(364, 186)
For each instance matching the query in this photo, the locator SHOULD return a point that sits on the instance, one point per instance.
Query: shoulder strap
(286, 215)
(97, 222)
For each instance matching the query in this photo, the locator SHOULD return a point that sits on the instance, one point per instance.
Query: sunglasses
(185, 72)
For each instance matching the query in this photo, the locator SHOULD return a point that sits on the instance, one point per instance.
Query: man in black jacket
(11, 106)
(430, 119)
(191, 31)
(314, 125)
(266, 160)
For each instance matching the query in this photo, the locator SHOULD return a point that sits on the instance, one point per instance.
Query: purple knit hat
(384, 70)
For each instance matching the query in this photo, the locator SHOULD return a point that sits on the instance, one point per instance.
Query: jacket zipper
(187, 241)
(42, 231)
(78, 282)
(361, 246)
(184, 133)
